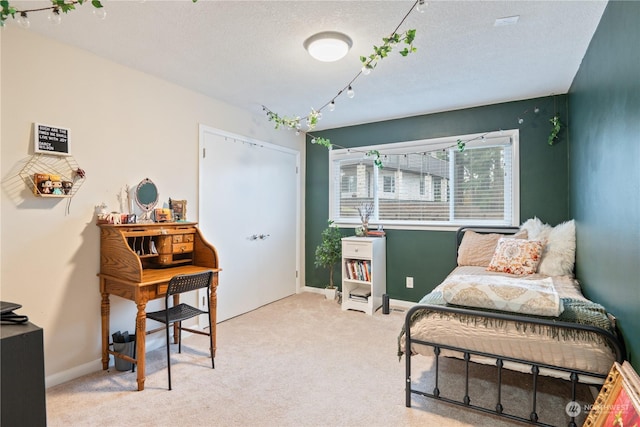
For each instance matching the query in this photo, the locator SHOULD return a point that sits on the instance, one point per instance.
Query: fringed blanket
(579, 311)
(525, 296)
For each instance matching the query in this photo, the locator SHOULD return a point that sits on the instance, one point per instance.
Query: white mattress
(584, 353)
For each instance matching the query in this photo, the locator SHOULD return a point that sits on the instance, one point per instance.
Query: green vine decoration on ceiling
(368, 64)
(403, 39)
(57, 6)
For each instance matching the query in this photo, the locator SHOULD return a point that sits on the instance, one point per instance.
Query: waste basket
(125, 348)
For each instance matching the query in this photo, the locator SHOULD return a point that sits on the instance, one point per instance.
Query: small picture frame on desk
(163, 215)
(179, 208)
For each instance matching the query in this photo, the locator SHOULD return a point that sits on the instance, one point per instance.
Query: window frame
(488, 139)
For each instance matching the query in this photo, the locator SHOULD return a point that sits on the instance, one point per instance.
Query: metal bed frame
(615, 344)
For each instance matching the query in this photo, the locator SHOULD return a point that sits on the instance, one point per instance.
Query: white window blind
(429, 182)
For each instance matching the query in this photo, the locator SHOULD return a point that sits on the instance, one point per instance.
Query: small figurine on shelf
(114, 218)
(66, 187)
(46, 186)
(162, 215)
(102, 214)
(57, 188)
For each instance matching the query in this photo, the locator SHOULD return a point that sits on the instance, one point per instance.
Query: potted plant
(328, 254)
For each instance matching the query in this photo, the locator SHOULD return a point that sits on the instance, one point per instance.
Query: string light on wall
(23, 20)
(536, 110)
(421, 6)
(350, 92)
(54, 17)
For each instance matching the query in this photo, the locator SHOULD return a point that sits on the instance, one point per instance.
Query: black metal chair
(176, 314)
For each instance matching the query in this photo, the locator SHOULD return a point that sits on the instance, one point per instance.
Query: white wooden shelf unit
(364, 271)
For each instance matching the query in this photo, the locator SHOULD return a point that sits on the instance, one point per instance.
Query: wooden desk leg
(141, 327)
(213, 304)
(104, 314)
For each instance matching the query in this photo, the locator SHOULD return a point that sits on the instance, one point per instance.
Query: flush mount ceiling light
(328, 46)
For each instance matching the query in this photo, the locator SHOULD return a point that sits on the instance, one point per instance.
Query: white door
(249, 211)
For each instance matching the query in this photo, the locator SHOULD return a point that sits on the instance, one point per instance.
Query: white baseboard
(96, 365)
(73, 373)
(401, 304)
(393, 303)
(311, 289)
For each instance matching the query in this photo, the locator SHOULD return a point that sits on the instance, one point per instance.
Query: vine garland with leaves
(368, 64)
(556, 126)
(57, 6)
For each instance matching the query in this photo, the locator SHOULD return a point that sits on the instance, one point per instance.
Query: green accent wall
(429, 256)
(604, 128)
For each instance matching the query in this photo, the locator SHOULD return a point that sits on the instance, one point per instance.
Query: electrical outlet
(410, 282)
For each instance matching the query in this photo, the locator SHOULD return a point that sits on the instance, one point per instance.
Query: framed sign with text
(50, 140)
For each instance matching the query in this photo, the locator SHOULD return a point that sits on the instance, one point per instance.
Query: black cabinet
(22, 390)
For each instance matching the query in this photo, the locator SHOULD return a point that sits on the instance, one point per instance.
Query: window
(429, 182)
(389, 184)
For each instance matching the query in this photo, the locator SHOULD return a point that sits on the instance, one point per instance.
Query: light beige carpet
(300, 361)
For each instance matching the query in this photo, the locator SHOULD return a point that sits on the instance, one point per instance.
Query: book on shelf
(360, 292)
(375, 233)
(358, 270)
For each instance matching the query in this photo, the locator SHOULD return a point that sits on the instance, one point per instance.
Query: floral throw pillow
(516, 256)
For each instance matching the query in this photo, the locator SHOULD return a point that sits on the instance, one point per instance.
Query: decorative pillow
(536, 229)
(516, 256)
(522, 234)
(559, 255)
(477, 249)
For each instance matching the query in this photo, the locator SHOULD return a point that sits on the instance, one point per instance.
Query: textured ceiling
(249, 53)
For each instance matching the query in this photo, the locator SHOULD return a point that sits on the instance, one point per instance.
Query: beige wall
(125, 126)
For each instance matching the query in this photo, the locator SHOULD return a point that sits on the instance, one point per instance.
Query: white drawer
(356, 249)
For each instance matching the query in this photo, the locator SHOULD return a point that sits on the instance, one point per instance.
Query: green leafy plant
(322, 141)
(379, 52)
(377, 161)
(556, 126)
(7, 11)
(329, 251)
(56, 5)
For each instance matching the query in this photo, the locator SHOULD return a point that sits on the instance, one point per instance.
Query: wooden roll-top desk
(136, 263)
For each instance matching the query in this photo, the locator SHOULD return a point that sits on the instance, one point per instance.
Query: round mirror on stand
(147, 198)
